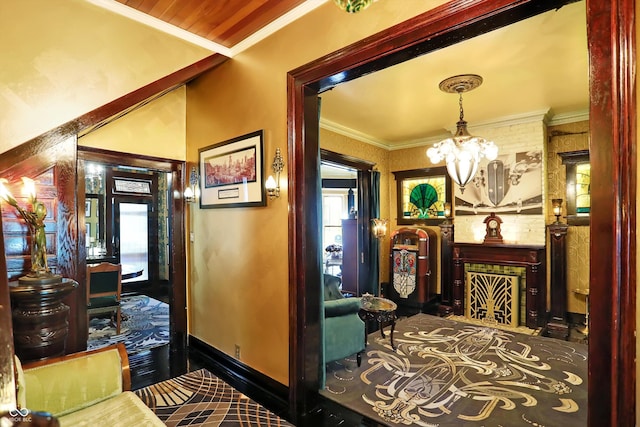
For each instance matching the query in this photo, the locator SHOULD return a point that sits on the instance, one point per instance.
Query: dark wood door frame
(176, 184)
(611, 44)
(363, 168)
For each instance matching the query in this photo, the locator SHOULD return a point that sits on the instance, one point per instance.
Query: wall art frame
(424, 184)
(578, 184)
(232, 173)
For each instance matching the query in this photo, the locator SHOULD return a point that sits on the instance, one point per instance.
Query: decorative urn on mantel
(40, 325)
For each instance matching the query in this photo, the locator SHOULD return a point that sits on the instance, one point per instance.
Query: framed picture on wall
(578, 179)
(421, 195)
(510, 184)
(231, 173)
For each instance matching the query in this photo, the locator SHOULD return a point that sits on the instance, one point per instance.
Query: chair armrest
(341, 307)
(66, 384)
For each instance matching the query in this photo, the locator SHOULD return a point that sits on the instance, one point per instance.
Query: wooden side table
(585, 329)
(40, 318)
(382, 311)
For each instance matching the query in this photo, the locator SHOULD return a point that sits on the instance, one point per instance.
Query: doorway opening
(611, 51)
(138, 223)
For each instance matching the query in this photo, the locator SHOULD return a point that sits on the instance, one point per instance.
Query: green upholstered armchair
(89, 388)
(343, 329)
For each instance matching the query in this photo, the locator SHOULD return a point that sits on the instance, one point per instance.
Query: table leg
(381, 325)
(393, 326)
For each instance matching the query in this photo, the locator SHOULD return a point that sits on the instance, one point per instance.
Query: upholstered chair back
(332, 288)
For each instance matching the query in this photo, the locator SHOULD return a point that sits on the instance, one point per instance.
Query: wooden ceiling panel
(223, 22)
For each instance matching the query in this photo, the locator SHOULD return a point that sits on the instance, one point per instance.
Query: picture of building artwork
(511, 184)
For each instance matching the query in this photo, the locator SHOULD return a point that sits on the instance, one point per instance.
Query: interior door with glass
(134, 238)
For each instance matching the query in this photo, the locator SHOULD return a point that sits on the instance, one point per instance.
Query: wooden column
(458, 283)
(558, 327)
(446, 267)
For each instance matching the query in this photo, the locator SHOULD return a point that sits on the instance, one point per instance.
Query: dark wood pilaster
(446, 266)
(558, 327)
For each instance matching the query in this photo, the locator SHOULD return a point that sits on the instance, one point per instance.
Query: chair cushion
(332, 288)
(100, 302)
(125, 409)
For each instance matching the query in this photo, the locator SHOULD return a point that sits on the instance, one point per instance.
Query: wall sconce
(557, 209)
(379, 227)
(447, 210)
(273, 184)
(190, 191)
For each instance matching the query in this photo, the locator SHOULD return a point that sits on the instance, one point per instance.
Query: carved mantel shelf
(531, 257)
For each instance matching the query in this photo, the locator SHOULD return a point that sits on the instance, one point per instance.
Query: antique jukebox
(413, 254)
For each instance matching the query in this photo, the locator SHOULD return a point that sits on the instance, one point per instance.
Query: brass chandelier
(462, 152)
(353, 6)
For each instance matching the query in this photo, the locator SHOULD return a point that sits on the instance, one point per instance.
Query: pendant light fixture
(353, 6)
(462, 152)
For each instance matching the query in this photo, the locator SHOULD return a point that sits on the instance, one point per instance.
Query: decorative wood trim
(558, 327)
(239, 371)
(7, 373)
(611, 30)
(612, 47)
(345, 160)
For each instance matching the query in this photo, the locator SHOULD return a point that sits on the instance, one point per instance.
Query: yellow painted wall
(156, 129)
(72, 57)
(578, 237)
(380, 156)
(239, 272)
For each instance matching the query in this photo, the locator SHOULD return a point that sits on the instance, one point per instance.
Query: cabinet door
(350, 256)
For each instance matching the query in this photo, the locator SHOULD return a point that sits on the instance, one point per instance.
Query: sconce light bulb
(271, 183)
(29, 189)
(447, 210)
(188, 194)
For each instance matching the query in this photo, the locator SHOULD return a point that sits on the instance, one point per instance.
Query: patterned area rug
(200, 398)
(518, 329)
(446, 373)
(145, 325)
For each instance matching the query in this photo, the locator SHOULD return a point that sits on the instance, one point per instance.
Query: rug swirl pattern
(446, 373)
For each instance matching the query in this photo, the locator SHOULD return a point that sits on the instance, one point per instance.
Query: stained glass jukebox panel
(492, 298)
(405, 272)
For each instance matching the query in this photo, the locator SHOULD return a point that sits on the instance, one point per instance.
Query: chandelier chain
(461, 110)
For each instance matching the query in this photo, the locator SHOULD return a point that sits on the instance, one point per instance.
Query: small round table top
(581, 291)
(377, 304)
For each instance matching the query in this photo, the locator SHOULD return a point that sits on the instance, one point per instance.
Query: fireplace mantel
(532, 258)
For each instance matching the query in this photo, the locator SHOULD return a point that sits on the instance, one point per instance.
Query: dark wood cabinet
(350, 256)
